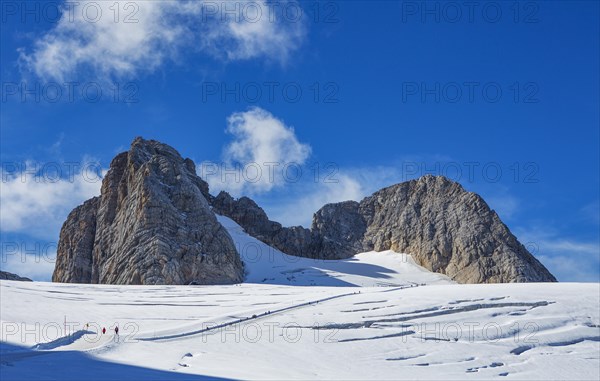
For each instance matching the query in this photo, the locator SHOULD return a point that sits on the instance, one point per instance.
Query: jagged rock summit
(154, 223)
(448, 230)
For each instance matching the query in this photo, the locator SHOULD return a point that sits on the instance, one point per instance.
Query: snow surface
(265, 264)
(367, 318)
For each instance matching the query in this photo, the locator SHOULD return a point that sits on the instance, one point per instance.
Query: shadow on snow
(21, 363)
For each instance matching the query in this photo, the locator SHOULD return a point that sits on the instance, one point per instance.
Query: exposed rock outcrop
(448, 230)
(152, 224)
(76, 243)
(338, 230)
(294, 240)
(5, 275)
(445, 228)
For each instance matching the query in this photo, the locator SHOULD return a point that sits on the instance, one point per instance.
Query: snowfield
(375, 316)
(267, 265)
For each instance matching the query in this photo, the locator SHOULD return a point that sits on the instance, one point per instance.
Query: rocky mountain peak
(152, 224)
(448, 230)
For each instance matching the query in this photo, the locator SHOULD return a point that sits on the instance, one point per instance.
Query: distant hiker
(87, 325)
(116, 330)
(103, 330)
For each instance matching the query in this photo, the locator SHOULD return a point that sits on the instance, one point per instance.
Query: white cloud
(299, 211)
(568, 268)
(549, 241)
(569, 246)
(506, 206)
(92, 37)
(569, 259)
(104, 47)
(32, 260)
(264, 154)
(36, 200)
(268, 31)
(259, 137)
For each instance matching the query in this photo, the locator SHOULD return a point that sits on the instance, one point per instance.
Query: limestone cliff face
(152, 224)
(338, 230)
(447, 230)
(76, 243)
(444, 227)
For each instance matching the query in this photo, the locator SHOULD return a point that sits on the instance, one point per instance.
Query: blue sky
(502, 97)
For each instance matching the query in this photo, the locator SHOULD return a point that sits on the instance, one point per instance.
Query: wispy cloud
(265, 29)
(569, 268)
(313, 196)
(568, 258)
(38, 266)
(37, 197)
(116, 39)
(505, 205)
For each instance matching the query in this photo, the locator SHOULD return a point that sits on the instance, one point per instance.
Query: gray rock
(294, 240)
(448, 230)
(75, 245)
(338, 231)
(445, 228)
(5, 275)
(152, 224)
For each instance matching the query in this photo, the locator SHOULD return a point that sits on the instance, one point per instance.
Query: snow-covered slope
(393, 327)
(521, 331)
(265, 264)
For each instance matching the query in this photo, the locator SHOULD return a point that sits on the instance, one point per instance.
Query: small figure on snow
(103, 330)
(117, 330)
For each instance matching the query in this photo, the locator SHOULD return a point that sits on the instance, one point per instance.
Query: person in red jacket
(103, 330)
